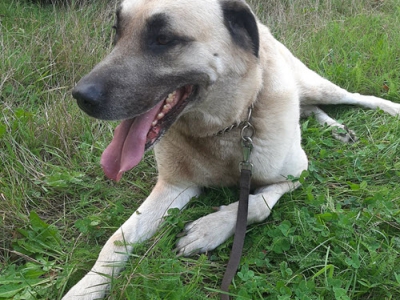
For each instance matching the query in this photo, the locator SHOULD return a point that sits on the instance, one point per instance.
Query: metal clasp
(246, 135)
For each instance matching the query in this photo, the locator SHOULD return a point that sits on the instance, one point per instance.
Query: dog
(180, 73)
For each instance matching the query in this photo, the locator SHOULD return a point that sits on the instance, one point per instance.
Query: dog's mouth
(134, 136)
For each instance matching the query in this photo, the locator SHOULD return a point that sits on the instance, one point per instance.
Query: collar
(237, 124)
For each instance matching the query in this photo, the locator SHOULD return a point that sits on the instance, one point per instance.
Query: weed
(336, 237)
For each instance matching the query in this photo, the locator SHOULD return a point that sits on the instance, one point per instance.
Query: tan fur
(190, 156)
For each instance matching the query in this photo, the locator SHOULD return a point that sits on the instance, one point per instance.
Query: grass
(337, 237)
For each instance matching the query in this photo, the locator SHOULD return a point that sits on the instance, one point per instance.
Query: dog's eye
(163, 40)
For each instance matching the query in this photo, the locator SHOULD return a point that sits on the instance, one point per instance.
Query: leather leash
(246, 167)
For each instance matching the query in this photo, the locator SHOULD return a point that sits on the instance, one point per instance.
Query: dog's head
(170, 57)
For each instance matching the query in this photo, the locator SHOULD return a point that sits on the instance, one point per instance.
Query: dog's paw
(92, 286)
(391, 108)
(344, 134)
(206, 233)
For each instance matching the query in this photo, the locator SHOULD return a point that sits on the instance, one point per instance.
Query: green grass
(337, 237)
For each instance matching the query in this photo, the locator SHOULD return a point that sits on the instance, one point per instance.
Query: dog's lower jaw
(134, 136)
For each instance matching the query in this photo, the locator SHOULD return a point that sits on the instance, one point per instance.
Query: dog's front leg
(140, 226)
(210, 231)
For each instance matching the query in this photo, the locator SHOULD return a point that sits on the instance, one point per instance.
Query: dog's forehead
(128, 5)
(183, 12)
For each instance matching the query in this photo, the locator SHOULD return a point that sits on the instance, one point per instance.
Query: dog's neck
(236, 124)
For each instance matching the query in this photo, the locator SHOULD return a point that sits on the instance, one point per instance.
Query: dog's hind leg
(210, 231)
(140, 226)
(316, 90)
(340, 131)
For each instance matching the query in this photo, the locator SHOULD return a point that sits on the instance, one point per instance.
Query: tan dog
(181, 71)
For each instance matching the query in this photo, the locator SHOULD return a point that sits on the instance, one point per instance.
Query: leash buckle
(247, 146)
(246, 135)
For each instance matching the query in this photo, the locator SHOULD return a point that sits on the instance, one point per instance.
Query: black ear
(242, 25)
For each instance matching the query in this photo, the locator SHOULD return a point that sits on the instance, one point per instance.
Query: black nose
(89, 96)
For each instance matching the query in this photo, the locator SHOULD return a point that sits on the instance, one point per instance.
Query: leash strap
(246, 167)
(240, 232)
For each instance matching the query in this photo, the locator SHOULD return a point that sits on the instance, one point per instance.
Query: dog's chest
(212, 161)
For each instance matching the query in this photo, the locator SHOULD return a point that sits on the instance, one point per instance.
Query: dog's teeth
(171, 97)
(160, 116)
(154, 123)
(166, 107)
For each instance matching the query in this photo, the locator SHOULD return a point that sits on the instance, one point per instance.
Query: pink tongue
(126, 149)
